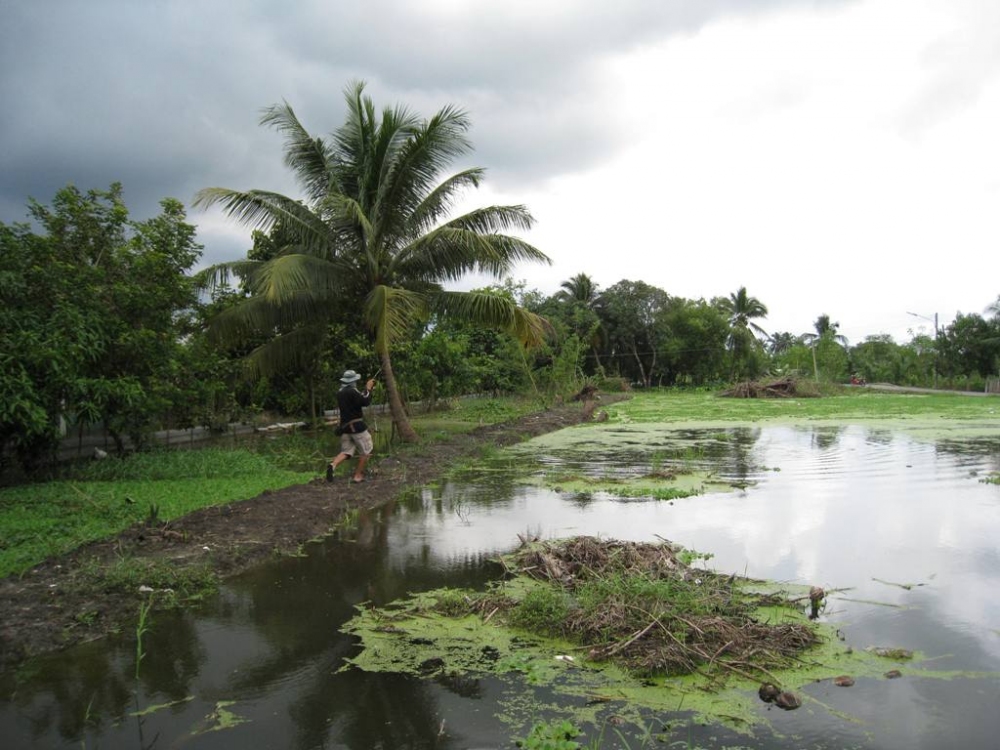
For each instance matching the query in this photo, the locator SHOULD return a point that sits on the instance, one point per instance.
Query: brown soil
(56, 604)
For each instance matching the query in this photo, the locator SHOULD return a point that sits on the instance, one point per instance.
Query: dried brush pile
(641, 606)
(780, 388)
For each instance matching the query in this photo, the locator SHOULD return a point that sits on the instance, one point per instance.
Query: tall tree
(580, 288)
(630, 312)
(781, 341)
(825, 330)
(743, 310)
(582, 296)
(89, 320)
(372, 230)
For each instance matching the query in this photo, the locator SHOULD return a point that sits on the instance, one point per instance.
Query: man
(354, 435)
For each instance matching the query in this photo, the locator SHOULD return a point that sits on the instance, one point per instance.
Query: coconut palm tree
(371, 232)
(741, 310)
(580, 288)
(781, 341)
(825, 329)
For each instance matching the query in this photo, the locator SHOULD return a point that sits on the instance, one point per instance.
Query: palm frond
(255, 317)
(493, 219)
(440, 200)
(493, 311)
(219, 275)
(286, 276)
(305, 155)
(296, 349)
(449, 253)
(422, 151)
(261, 209)
(391, 312)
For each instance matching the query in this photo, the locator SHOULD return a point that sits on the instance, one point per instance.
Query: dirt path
(55, 604)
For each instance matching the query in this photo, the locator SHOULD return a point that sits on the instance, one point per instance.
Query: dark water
(845, 508)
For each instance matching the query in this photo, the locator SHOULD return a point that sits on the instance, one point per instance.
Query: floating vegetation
(640, 606)
(632, 624)
(630, 630)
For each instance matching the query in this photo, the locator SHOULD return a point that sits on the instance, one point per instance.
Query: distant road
(909, 389)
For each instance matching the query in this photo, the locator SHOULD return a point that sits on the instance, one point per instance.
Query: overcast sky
(836, 157)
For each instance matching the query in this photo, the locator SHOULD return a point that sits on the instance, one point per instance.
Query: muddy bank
(56, 604)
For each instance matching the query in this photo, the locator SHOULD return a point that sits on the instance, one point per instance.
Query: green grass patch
(668, 406)
(171, 584)
(101, 499)
(458, 416)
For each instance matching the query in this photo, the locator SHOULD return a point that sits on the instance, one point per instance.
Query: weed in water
(141, 628)
(553, 736)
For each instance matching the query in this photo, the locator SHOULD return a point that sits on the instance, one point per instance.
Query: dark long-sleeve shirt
(351, 403)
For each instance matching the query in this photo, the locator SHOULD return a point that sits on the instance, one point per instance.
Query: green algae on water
(474, 633)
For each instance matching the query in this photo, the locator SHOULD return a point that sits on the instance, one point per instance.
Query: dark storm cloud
(165, 96)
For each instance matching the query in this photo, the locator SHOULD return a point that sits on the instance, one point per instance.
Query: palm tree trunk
(396, 408)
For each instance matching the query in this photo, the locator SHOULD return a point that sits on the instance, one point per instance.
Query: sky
(834, 157)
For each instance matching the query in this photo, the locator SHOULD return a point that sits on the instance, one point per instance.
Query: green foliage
(542, 610)
(38, 521)
(88, 328)
(629, 311)
(970, 346)
(172, 584)
(744, 347)
(557, 735)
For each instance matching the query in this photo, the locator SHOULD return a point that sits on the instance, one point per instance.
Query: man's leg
(337, 461)
(366, 447)
(359, 470)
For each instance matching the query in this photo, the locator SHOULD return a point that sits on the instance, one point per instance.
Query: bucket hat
(349, 377)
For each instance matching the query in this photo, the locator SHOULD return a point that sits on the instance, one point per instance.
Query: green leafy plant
(543, 610)
(141, 628)
(552, 736)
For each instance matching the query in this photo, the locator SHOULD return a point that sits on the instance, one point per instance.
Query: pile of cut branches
(780, 388)
(642, 607)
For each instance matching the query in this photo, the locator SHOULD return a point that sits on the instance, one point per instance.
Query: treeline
(103, 322)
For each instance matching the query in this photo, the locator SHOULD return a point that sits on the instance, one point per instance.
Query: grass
(848, 404)
(459, 416)
(101, 499)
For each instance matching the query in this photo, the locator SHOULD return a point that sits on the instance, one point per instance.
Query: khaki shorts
(362, 442)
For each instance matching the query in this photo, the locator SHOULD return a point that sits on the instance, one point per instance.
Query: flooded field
(900, 526)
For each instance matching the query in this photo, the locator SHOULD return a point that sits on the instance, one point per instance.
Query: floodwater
(903, 528)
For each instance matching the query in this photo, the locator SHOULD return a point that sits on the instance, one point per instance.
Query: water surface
(904, 527)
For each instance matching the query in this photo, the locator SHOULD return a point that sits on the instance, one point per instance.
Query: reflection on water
(903, 527)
